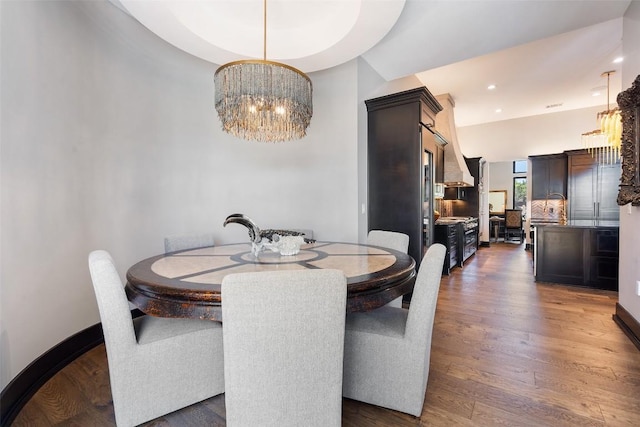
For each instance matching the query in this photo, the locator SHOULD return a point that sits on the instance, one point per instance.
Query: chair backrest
(425, 295)
(284, 335)
(188, 241)
(513, 218)
(115, 315)
(389, 239)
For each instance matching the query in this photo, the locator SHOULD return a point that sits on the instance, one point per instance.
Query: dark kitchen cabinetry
(455, 193)
(447, 234)
(468, 243)
(548, 175)
(402, 155)
(603, 258)
(593, 188)
(585, 256)
(469, 197)
(439, 161)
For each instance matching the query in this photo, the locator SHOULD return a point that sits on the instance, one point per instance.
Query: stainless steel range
(467, 235)
(467, 221)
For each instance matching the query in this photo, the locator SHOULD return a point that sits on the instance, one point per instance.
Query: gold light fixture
(604, 143)
(263, 100)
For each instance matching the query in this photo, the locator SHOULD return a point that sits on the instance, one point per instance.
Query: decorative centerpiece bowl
(286, 245)
(286, 242)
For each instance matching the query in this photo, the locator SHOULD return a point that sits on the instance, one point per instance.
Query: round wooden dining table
(187, 283)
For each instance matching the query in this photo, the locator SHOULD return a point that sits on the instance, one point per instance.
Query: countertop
(577, 224)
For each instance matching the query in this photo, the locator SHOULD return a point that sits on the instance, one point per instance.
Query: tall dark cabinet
(548, 175)
(402, 154)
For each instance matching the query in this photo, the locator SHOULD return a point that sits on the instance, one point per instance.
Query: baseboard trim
(485, 244)
(629, 325)
(18, 392)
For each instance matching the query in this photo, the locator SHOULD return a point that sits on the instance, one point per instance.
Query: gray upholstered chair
(391, 240)
(387, 350)
(156, 365)
(283, 347)
(188, 241)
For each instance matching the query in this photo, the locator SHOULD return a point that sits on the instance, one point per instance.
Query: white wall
(502, 179)
(509, 140)
(110, 140)
(630, 216)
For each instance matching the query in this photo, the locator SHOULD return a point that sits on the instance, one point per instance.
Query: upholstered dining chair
(188, 241)
(391, 240)
(156, 365)
(513, 224)
(387, 350)
(283, 347)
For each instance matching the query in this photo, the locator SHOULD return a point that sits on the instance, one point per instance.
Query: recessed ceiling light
(491, 87)
(595, 94)
(618, 60)
(498, 110)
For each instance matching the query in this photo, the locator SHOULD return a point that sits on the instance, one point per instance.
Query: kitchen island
(579, 253)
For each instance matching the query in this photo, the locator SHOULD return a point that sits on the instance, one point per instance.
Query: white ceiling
(538, 53)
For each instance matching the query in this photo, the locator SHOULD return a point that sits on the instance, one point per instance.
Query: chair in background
(188, 241)
(513, 224)
(387, 350)
(391, 240)
(156, 365)
(283, 347)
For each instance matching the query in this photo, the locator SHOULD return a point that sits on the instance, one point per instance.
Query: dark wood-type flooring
(507, 351)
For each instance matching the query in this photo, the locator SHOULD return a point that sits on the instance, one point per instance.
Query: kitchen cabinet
(603, 258)
(447, 234)
(548, 175)
(402, 154)
(439, 163)
(577, 255)
(469, 197)
(593, 188)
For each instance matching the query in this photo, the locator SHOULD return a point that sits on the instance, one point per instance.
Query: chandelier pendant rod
(608, 79)
(264, 47)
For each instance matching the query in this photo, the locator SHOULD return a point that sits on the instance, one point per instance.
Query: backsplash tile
(552, 213)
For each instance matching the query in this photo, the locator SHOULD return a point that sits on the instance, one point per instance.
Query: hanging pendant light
(604, 143)
(263, 100)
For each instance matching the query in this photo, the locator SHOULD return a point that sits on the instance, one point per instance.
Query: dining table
(187, 284)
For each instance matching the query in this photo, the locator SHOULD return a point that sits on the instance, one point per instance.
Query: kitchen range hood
(456, 172)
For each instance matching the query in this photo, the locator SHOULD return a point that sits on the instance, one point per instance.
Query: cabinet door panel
(548, 175)
(603, 273)
(539, 179)
(582, 192)
(608, 182)
(560, 255)
(558, 176)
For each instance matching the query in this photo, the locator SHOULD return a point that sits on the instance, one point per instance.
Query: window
(520, 166)
(520, 193)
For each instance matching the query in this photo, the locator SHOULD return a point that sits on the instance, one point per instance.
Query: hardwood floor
(506, 351)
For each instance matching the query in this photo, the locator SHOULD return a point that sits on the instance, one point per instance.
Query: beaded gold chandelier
(262, 100)
(604, 143)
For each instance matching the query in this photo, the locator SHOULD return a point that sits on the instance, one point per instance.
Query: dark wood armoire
(404, 161)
